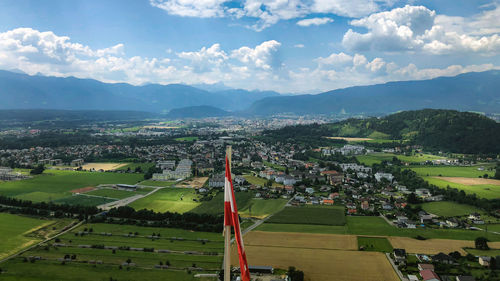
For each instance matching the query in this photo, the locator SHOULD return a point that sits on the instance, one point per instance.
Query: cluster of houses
(8, 174)
(182, 171)
(347, 149)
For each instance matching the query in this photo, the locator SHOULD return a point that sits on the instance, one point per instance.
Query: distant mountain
(468, 92)
(21, 91)
(445, 130)
(30, 115)
(201, 111)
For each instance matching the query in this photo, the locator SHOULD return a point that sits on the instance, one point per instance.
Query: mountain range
(466, 92)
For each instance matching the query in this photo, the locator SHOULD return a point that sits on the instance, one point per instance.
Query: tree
(295, 275)
(38, 170)
(497, 172)
(481, 243)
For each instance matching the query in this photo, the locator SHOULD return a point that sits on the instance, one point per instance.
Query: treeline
(45, 209)
(190, 221)
(313, 135)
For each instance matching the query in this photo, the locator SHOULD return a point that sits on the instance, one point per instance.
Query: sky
(294, 46)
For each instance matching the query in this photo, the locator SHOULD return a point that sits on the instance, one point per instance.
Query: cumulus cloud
(299, 46)
(269, 12)
(416, 28)
(314, 21)
(205, 59)
(262, 56)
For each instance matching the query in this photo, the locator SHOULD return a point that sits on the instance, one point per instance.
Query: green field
(80, 269)
(449, 209)
(259, 181)
(374, 244)
(216, 205)
(262, 208)
(452, 171)
(83, 200)
(157, 183)
(488, 191)
(14, 231)
(378, 157)
(376, 226)
(55, 184)
(187, 139)
(117, 193)
(132, 166)
(310, 215)
(274, 166)
(490, 253)
(178, 200)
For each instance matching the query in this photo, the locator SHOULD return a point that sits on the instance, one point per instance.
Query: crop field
(103, 166)
(374, 244)
(216, 205)
(117, 193)
(98, 263)
(378, 157)
(260, 181)
(488, 191)
(376, 226)
(261, 208)
(310, 215)
(430, 246)
(322, 264)
(452, 171)
(15, 230)
(449, 209)
(301, 240)
(56, 184)
(169, 199)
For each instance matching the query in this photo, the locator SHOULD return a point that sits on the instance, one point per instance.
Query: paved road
(396, 269)
(126, 201)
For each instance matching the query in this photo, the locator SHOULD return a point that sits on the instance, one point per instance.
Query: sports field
(319, 256)
(103, 166)
(97, 263)
(56, 184)
(14, 231)
(310, 215)
(449, 209)
(261, 208)
(169, 199)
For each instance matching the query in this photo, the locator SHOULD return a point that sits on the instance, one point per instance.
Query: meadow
(216, 205)
(133, 166)
(15, 230)
(453, 171)
(378, 157)
(260, 181)
(449, 209)
(157, 183)
(374, 244)
(57, 184)
(274, 166)
(169, 199)
(488, 191)
(187, 139)
(181, 264)
(261, 208)
(118, 193)
(310, 215)
(83, 200)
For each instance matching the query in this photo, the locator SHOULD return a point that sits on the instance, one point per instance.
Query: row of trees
(44, 207)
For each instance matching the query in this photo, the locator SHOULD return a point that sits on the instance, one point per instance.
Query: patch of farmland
(83, 200)
(453, 171)
(178, 200)
(374, 244)
(301, 240)
(321, 265)
(310, 215)
(216, 205)
(261, 208)
(116, 193)
(488, 191)
(449, 209)
(470, 181)
(430, 246)
(103, 166)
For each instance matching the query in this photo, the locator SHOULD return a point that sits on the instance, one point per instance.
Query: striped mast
(227, 221)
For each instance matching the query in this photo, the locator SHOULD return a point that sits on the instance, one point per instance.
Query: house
(412, 278)
(465, 278)
(423, 192)
(424, 266)
(474, 216)
(424, 216)
(289, 189)
(327, 202)
(309, 190)
(442, 258)
(429, 275)
(365, 205)
(485, 261)
(334, 195)
(379, 176)
(334, 177)
(452, 222)
(216, 181)
(239, 180)
(289, 180)
(399, 255)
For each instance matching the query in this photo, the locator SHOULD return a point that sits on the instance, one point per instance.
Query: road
(126, 201)
(396, 269)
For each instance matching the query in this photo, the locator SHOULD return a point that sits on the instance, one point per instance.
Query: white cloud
(346, 8)
(314, 21)
(191, 8)
(416, 28)
(299, 45)
(262, 56)
(205, 59)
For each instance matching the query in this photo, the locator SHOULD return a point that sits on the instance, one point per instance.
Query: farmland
(452, 171)
(110, 265)
(319, 256)
(261, 208)
(216, 205)
(260, 181)
(310, 215)
(84, 200)
(430, 246)
(449, 209)
(374, 244)
(15, 231)
(157, 183)
(168, 199)
(117, 193)
(55, 184)
(183, 139)
(103, 166)
(378, 157)
(487, 191)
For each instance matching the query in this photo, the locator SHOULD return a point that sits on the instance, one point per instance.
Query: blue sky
(295, 46)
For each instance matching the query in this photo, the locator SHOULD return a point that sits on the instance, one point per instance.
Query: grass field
(378, 157)
(83, 200)
(187, 139)
(133, 166)
(376, 226)
(489, 253)
(449, 209)
(274, 166)
(310, 215)
(157, 183)
(79, 269)
(216, 205)
(14, 231)
(487, 191)
(261, 208)
(452, 171)
(178, 200)
(374, 244)
(55, 184)
(103, 166)
(260, 181)
(117, 193)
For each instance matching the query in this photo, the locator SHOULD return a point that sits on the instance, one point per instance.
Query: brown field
(195, 182)
(160, 127)
(430, 246)
(103, 166)
(349, 139)
(321, 265)
(301, 240)
(469, 181)
(83, 189)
